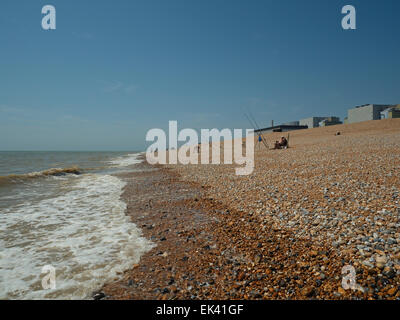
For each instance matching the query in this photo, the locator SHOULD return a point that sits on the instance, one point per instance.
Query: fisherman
(282, 143)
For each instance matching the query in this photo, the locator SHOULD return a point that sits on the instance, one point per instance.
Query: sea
(63, 227)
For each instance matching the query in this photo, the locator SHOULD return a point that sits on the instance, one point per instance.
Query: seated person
(282, 143)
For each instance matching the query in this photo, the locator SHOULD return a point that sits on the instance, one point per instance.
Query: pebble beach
(284, 232)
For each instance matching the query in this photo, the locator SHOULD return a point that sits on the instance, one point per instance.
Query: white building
(366, 112)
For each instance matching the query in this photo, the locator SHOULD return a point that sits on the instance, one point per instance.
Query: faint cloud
(75, 119)
(10, 113)
(37, 116)
(113, 86)
(118, 86)
(131, 88)
(12, 110)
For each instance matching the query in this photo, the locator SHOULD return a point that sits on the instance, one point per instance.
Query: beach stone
(381, 261)
(308, 292)
(257, 258)
(368, 264)
(241, 276)
(99, 295)
(391, 291)
(313, 253)
(341, 291)
(389, 272)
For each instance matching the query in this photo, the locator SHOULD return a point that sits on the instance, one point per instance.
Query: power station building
(366, 112)
(391, 112)
(314, 122)
(281, 128)
(358, 114)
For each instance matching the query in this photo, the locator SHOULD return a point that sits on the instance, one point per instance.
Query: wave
(126, 160)
(55, 172)
(83, 233)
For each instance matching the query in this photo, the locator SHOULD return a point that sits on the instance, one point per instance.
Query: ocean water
(63, 209)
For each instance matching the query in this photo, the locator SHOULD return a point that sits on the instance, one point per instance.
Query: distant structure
(281, 128)
(391, 112)
(361, 113)
(291, 123)
(314, 122)
(330, 121)
(366, 112)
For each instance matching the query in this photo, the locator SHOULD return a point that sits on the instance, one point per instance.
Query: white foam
(126, 160)
(83, 233)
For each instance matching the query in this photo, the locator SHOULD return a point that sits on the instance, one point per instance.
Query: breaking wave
(15, 178)
(126, 160)
(83, 233)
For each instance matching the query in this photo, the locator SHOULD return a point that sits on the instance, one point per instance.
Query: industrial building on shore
(314, 122)
(369, 112)
(307, 123)
(358, 114)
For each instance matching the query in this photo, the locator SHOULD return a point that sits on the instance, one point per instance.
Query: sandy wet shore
(284, 232)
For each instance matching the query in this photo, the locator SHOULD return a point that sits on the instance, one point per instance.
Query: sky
(112, 70)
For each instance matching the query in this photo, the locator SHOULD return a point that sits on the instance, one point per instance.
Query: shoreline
(166, 269)
(285, 232)
(206, 250)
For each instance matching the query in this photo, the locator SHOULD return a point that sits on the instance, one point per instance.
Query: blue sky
(114, 69)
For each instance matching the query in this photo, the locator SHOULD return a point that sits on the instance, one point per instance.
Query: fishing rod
(254, 124)
(254, 120)
(258, 128)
